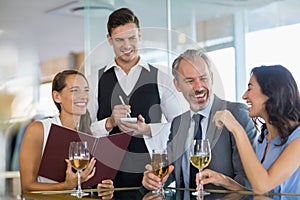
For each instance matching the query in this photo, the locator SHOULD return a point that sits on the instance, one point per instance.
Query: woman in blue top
(274, 104)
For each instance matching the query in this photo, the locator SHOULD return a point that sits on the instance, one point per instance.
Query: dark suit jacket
(225, 156)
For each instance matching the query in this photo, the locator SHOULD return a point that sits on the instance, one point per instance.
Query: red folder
(108, 151)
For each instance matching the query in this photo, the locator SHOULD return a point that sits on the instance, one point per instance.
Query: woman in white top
(70, 94)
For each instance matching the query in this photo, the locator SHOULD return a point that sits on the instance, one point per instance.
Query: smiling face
(195, 81)
(124, 40)
(255, 99)
(73, 98)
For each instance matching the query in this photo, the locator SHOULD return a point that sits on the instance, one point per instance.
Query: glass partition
(228, 30)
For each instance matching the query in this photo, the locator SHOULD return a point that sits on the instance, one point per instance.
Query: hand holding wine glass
(160, 166)
(79, 157)
(200, 157)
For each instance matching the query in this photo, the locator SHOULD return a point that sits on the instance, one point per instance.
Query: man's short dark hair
(121, 17)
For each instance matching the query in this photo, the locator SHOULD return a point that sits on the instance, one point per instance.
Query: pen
(122, 101)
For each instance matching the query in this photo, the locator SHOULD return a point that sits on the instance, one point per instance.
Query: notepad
(108, 151)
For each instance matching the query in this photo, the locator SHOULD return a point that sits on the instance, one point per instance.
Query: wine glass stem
(200, 178)
(79, 190)
(161, 189)
(162, 186)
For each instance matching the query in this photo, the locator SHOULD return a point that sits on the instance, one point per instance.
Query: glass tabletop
(138, 193)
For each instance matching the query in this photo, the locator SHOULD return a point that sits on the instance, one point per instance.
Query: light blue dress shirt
(290, 185)
(190, 137)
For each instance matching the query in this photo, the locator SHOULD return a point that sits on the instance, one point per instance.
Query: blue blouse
(290, 185)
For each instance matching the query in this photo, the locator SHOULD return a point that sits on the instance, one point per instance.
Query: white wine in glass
(79, 157)
(160, 166)
(200, 158)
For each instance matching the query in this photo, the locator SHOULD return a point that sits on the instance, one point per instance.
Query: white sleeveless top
(47, 124)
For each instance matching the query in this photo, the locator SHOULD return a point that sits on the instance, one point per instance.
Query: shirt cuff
(98, 128)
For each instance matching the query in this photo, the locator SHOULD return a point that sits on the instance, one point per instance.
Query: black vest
(144, 99)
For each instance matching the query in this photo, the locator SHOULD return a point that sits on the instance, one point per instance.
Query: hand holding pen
(136, 125)
(120, 111)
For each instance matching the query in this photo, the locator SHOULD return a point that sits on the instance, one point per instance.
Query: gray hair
(191, 55)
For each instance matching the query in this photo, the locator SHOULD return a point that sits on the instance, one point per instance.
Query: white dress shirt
(169, 102)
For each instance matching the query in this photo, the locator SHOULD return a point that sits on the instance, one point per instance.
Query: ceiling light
(77, 8)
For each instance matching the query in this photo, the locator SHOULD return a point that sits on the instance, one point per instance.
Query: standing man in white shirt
(148, 93)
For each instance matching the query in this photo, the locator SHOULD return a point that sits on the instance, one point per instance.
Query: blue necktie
(198, 136)
(198, 118)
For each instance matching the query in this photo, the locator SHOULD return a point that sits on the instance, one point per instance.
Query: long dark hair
(283, 104)
(58, 84)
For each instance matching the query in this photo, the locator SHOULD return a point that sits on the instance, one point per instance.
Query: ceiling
(42, 29)
(28, 25)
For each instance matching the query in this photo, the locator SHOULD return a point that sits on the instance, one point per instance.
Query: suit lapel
(179, 140)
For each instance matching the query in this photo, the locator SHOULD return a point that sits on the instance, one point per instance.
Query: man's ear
(56, 97)
(176, 84)
(109, 39)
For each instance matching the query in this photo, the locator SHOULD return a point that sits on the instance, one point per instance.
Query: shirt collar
(205, 111)
(142, 63)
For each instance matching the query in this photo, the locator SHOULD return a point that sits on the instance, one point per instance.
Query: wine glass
(160, 166)
(79, 157)
(200, 158)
